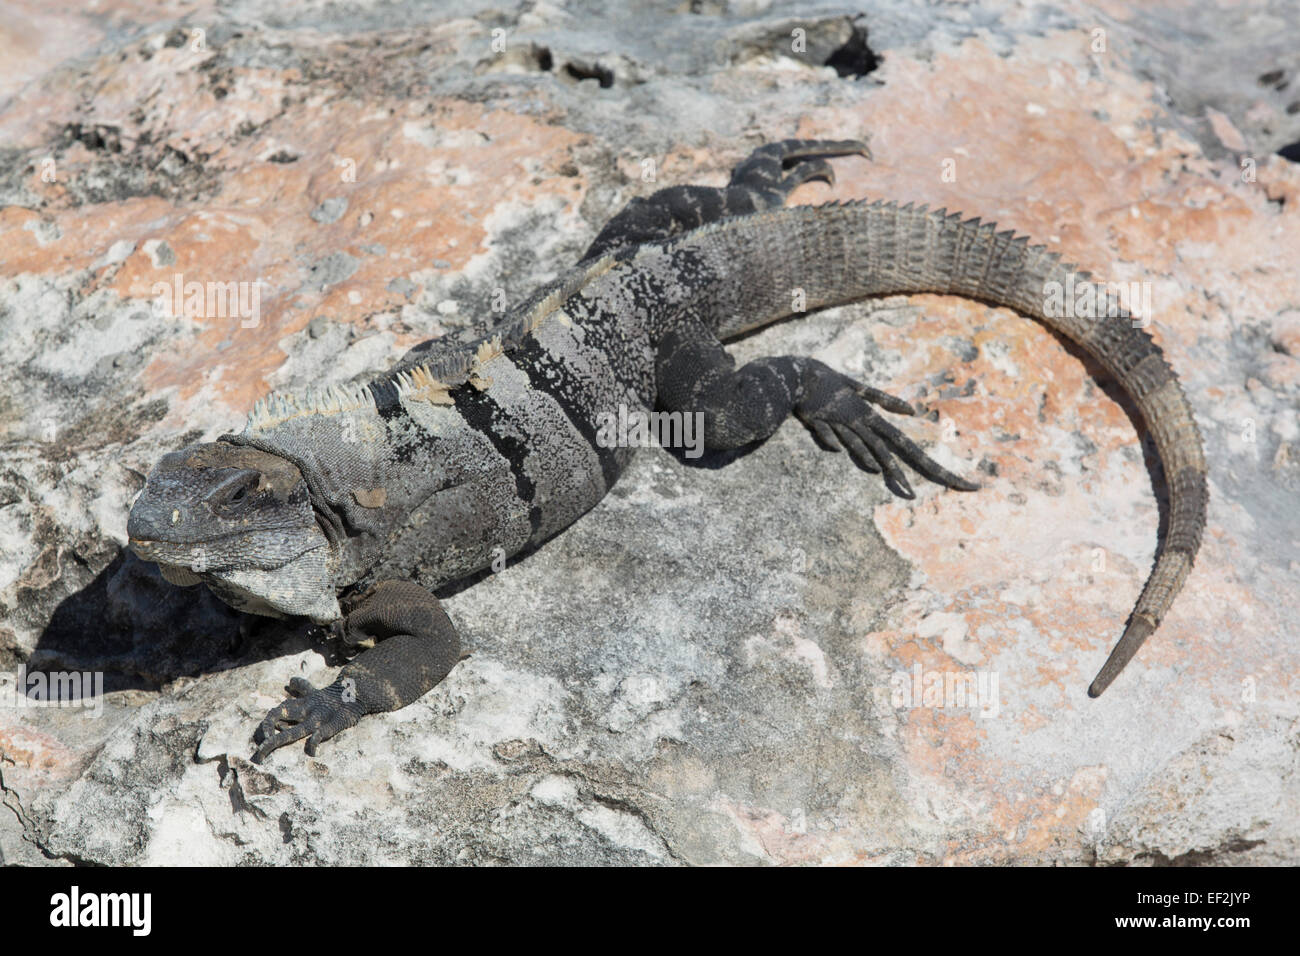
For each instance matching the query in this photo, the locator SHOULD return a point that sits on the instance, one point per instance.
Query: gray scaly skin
(386, 490)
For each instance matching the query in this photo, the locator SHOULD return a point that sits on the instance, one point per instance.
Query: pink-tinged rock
(1286, 333)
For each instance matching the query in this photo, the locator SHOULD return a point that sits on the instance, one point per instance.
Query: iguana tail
(840, 253)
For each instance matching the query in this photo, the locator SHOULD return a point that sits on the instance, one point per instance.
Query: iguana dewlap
(425, 474)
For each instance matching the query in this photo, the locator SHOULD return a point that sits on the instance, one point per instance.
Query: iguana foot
(747, 404)
(317, 713)
(839, 412)
(417, 646)
(772, 172)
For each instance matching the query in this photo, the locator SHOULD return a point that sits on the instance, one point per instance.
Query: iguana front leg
(742, 405)
(418, 646)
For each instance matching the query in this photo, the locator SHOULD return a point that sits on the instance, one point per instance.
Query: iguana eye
(236, 491)
(245, 489)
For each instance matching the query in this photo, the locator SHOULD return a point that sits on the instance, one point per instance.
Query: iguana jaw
(303, 585)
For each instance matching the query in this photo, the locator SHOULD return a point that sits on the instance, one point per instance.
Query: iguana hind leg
(762, 181)
(418, 646)
(742, 405)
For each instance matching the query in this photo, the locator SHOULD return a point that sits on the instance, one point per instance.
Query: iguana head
(240, 520)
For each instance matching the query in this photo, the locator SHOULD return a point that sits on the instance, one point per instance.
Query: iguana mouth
(164, 543)
(209, 555)
(154, 550)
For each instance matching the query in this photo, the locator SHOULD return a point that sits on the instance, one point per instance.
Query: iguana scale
(422, 475)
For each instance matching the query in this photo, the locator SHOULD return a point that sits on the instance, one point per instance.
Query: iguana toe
(839, 412)
(312, 712)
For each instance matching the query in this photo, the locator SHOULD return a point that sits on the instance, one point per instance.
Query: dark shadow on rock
(715, 460)
(142, 632)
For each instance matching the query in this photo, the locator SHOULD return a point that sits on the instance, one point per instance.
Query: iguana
(385, 490)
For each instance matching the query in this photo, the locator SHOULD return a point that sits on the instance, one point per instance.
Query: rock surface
(708, 667)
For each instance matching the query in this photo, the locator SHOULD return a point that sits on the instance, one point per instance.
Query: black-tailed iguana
(384, 490)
